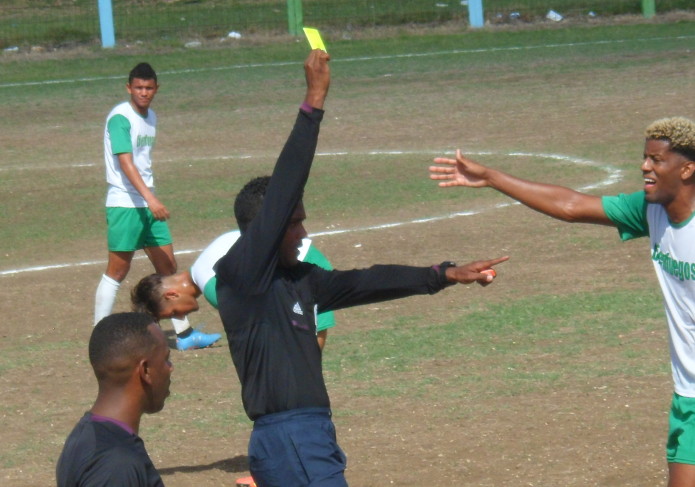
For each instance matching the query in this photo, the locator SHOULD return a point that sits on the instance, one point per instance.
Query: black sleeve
(249, 264)
(342, 289)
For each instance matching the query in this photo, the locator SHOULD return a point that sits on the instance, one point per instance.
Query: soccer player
(135, 217)
(130, 358)
(268, 301)
(663, 210)
(177, 295)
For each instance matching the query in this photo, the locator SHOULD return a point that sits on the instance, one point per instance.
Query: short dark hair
(142, 71)
(146, 296)
(119, 337)
(249, 201)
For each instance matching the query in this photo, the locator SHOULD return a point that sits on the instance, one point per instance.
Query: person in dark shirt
(268, 301)
(130, 358)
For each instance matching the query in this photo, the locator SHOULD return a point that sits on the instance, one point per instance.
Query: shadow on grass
(237, 464)
(170, 335)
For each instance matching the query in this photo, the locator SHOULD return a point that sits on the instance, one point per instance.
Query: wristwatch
(442, 272)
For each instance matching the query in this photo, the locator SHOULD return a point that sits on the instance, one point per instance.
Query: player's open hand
(480, 271)
(458, 172)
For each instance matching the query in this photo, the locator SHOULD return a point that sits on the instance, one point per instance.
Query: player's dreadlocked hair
(249, 201)
(678, 131)
(147, 294)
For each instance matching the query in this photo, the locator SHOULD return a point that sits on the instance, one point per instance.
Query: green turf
(24, 23)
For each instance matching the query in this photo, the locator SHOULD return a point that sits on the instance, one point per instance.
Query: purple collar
(103, 419)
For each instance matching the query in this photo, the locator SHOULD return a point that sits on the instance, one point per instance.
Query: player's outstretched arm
(557, 201)
(480, 271)
(318, 78)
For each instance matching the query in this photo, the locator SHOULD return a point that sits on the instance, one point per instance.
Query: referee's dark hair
(117, 341)
(249, 201)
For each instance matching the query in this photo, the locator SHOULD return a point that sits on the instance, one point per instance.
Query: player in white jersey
(136, 218)
(177, 295)
(664, 211)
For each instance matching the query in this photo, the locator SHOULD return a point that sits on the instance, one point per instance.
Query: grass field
(59, 23)
(555, 375)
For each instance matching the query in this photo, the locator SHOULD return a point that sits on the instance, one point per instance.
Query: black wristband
(441, 268)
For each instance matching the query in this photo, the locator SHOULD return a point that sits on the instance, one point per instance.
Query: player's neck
(681, 208)
(187, 282)
(142, 111)
(112, 407)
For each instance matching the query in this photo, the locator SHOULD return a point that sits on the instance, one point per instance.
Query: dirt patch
(440, 420)
(606, 432)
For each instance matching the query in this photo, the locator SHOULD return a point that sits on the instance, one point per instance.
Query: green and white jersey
(673, 257)
(203, 272)
(128, 131)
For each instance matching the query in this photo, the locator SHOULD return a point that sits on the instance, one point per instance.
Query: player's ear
(687, 170)
(171, 295)
(144, 371)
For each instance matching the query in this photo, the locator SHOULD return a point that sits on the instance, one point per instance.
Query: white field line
(613, 175)
(357, 59)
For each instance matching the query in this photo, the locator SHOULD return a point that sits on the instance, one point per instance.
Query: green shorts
(131, 229)
(680, 447)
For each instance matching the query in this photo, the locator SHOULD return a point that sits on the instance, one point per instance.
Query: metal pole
(108, 38)
(648, 8)
(475, 13)
(295, 18)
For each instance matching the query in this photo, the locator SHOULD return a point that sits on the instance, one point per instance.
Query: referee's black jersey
(269, 312)
(103, 453)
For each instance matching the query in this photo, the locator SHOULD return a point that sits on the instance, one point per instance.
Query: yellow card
(314, 38)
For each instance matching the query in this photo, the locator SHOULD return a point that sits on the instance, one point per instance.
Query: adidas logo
(297, 309)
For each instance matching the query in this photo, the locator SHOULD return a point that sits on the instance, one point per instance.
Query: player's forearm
(133, 175)
(553, 200)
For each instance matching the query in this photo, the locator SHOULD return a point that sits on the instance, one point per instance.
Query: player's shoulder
(122, 108)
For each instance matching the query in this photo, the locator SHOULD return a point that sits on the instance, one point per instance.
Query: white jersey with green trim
(673, 256)
(131, 132)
